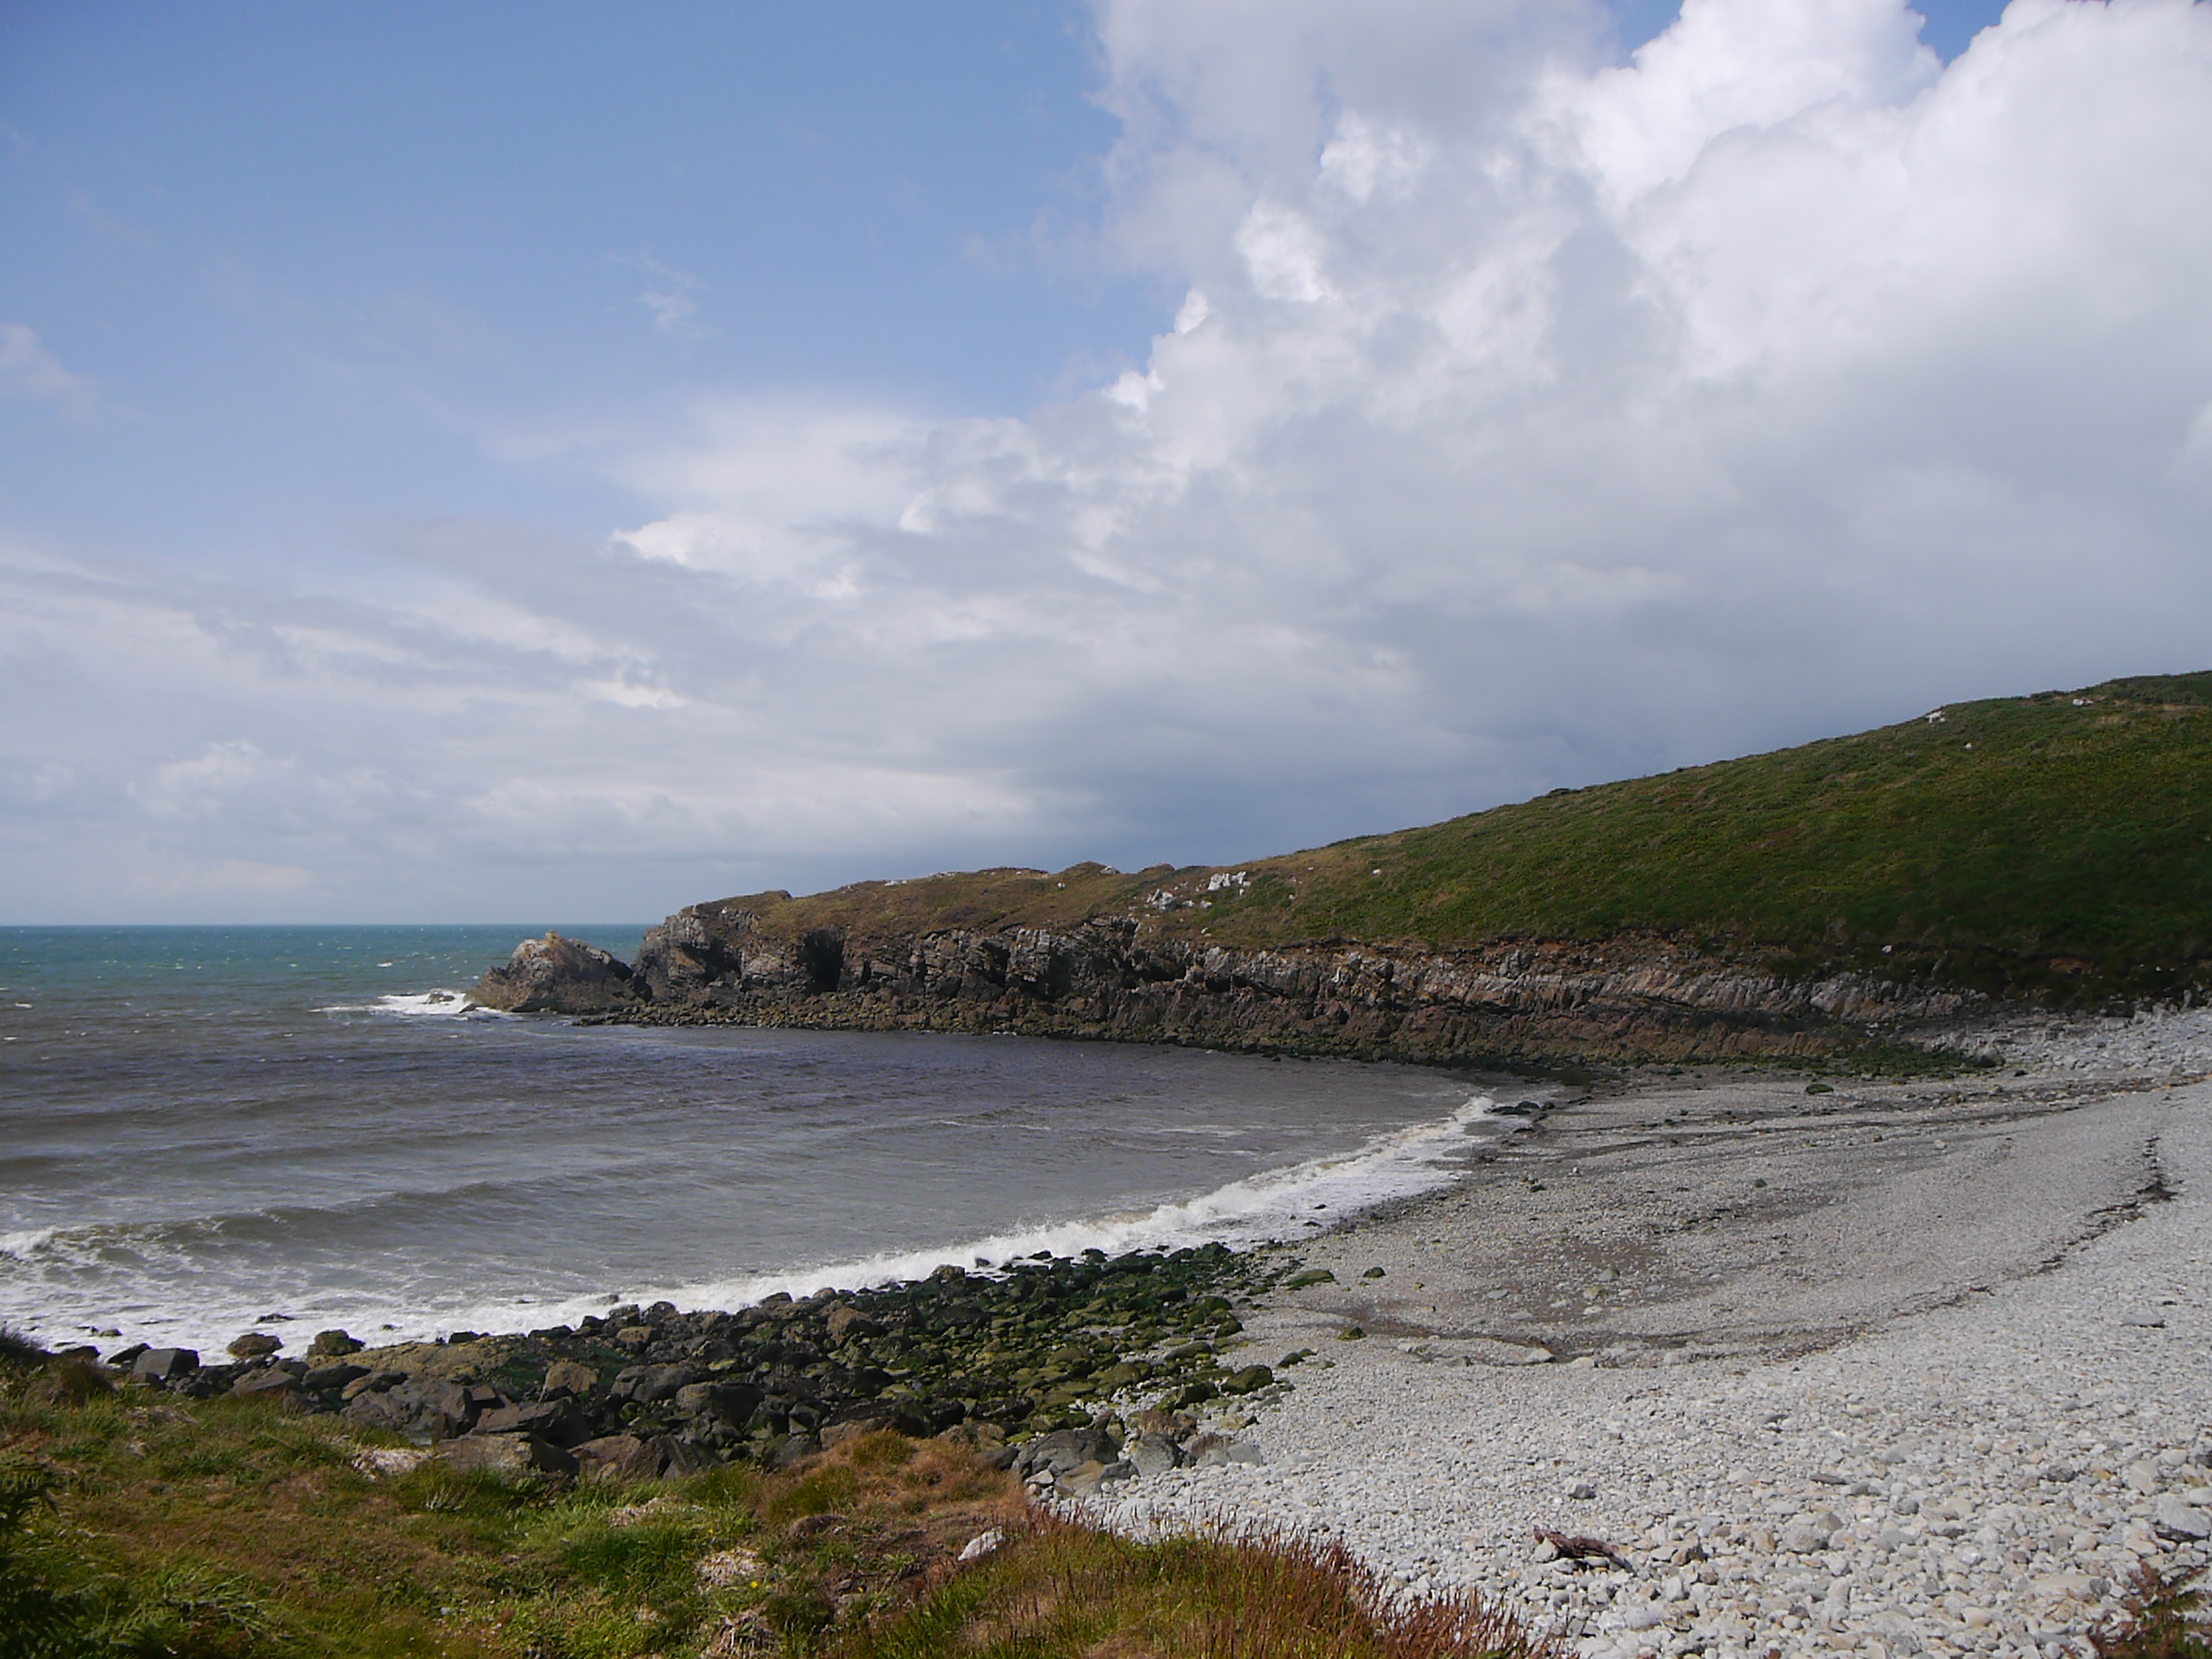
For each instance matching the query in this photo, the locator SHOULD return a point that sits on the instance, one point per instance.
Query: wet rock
(332, 1378)
(334, 1344)
(254, 1345)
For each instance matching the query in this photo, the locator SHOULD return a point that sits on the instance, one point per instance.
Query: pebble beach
(1881, 1367)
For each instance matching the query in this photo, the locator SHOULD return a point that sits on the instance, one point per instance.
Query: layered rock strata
(1122, 977)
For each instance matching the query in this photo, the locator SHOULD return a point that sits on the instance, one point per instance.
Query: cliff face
(1122, 977)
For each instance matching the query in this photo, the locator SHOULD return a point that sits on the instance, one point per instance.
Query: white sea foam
(438, 1004)
(27, 1241)
(1271, 1206)
(53, 1272)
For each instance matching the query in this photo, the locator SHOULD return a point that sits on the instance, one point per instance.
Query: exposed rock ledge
(1119, 977)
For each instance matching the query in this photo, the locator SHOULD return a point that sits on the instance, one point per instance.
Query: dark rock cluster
(1040, 1350)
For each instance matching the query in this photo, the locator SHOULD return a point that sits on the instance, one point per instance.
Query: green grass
(2059, 844)
(134, 1524)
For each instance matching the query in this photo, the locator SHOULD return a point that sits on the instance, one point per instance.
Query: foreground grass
(136, 1523)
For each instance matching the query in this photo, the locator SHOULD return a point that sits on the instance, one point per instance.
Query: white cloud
(1527, 419)
(30, 372)
(671, 297)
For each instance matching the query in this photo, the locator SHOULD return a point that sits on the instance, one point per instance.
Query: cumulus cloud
(1527, 418)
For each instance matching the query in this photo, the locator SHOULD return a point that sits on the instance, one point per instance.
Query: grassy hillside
(2060, 839)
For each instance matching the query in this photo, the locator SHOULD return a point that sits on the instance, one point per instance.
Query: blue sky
(538, 459)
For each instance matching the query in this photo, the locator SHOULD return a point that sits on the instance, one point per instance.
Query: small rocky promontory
(559, 975)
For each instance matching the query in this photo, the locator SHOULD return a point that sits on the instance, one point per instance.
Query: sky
(504, 462)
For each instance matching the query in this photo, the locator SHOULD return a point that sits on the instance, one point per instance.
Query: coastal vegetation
(2058, 845)
(1851, 899)
(134, 1522)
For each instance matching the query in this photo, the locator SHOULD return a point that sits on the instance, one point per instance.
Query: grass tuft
(2161, 1616)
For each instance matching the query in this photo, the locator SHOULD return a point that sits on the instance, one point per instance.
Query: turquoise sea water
(200, 1127)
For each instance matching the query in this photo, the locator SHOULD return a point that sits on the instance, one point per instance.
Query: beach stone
(421, 1408)
(1486, 1350)
(372, 1381)
(1247, 1379)
(648, 1384)
(636, 1338)
(680, 1457)
(558, 1420)
(846, 1323)
(1802, 1537)
(267, 1384)
(572, 1376)
(795, 1449)
(254, 1345)
(504, 1454)
(1067, 1449)
(329, 1378)
(729, 1402)
(163, 1364)
(333, 1344)
(1152, 1454)
(2179, 1519)
(619, 1457)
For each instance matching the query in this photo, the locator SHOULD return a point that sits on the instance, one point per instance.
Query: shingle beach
(1884, 1367)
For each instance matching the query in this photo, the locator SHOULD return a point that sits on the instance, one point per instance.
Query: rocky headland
(1125, 978)
(2044, 852)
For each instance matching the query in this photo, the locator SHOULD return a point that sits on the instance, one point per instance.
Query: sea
(203, 1129)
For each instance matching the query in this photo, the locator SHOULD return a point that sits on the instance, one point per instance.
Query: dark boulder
(1065, 1450)
(422, 1408)
(560, 1422)
(729, 1402)
(619, 1457)
(165, 1365)
(649, 1384)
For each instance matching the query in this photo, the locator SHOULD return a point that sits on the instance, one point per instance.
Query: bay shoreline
(1901, 1367)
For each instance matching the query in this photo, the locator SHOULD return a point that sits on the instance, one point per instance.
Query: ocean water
(204, 1127)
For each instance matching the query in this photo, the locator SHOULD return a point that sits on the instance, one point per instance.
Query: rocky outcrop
(557, 975)
(1122, 977)
(1045, 1344)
